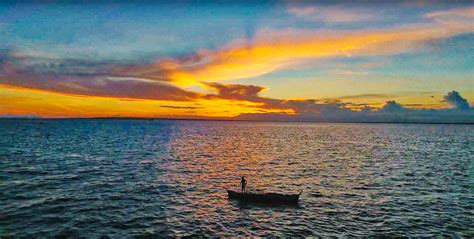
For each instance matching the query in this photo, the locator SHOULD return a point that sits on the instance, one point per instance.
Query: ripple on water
(132, 178)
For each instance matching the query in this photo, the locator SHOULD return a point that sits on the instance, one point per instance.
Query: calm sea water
(125, 178)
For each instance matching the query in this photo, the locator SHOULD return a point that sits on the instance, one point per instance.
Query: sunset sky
(238, 60)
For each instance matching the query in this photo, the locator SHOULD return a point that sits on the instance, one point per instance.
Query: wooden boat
(268, 198)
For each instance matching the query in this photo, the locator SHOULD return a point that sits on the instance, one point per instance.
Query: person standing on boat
(243, 183)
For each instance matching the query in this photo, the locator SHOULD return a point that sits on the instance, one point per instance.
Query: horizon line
(231, 120)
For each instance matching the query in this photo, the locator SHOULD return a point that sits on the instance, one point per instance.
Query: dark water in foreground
(119, 178)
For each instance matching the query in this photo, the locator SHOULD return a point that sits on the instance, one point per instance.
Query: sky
(365, 61)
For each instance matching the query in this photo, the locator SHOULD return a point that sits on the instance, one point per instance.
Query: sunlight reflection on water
(132, 177)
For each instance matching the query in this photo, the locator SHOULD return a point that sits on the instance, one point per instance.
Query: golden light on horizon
(23, 101)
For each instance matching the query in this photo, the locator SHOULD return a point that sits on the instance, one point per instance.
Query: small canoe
(268, 198)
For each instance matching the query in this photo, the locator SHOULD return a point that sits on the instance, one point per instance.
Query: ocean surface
(127, 178)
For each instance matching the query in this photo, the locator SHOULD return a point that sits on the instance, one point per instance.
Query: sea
(125, 178)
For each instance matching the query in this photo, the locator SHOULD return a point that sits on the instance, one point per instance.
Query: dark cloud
(390, 112)
(238, 92)
(38, 63)
(80, 77)
(100, 86)
(456, 100)
(107, 87)
(413, 105)
(392, 107)
(251, 93)
(335, 111)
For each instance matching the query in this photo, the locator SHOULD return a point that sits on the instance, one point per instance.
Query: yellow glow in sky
(21, 101)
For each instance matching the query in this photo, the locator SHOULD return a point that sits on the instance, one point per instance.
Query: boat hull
(266, 198)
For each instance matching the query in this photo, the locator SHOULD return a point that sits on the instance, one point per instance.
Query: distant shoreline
(234, 120)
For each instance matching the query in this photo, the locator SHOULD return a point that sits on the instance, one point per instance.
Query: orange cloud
(150, 90)
(23, 101)
(274, 50)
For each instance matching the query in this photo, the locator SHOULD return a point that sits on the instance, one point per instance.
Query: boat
(267, 198)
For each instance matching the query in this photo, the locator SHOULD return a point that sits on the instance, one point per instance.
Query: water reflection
(168, 178)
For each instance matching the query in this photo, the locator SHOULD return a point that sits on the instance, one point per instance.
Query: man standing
(243, 183)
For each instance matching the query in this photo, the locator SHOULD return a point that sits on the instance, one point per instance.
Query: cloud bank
(456, 100)
(391, 112)
(166, 78)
